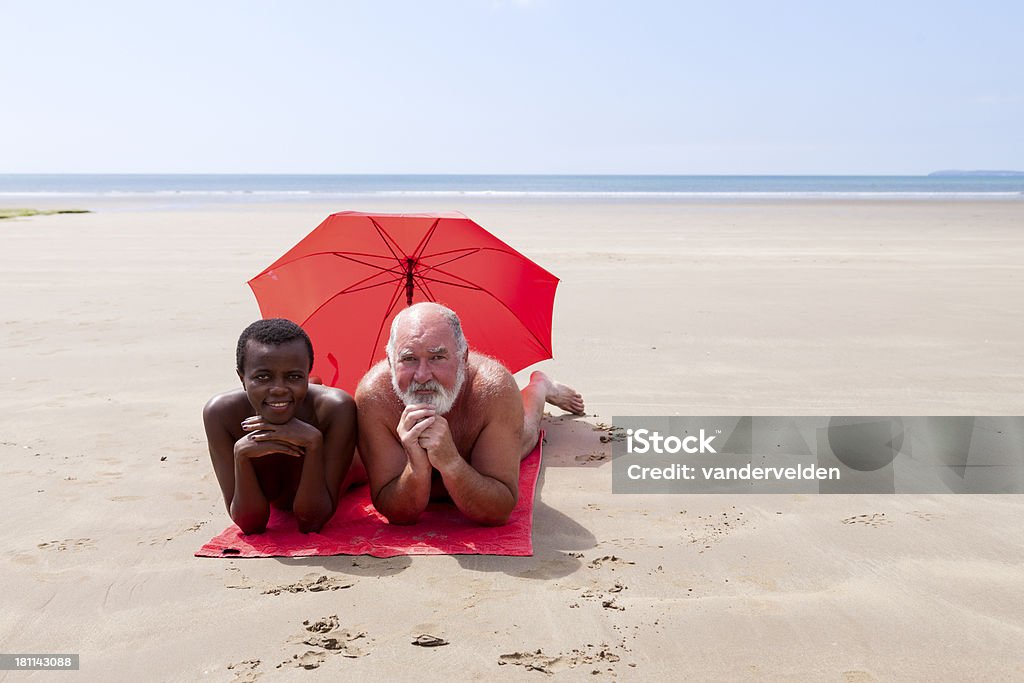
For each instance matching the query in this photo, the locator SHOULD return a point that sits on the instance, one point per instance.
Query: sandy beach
(118, 325)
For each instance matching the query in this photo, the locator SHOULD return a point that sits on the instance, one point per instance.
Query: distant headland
(977, 173)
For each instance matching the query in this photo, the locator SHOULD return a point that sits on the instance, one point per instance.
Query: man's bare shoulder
(496, 404)
(375, 391)
(491, 379)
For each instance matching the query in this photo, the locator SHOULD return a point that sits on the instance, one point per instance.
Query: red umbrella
(345, 282)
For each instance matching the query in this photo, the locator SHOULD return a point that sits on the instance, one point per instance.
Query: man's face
(426, 367)
(276, 378)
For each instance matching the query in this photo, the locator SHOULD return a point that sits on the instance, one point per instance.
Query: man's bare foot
(558, 394)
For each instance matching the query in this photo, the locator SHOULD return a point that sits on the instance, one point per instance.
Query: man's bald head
(427, 352)
(427, 314)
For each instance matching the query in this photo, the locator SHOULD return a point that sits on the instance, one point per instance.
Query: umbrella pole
(410, 264)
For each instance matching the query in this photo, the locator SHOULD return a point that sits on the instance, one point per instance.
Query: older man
(439, 421)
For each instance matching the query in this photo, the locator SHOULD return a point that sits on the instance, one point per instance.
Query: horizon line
(976, 172)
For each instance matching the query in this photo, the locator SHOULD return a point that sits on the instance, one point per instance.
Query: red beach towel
(358, 529)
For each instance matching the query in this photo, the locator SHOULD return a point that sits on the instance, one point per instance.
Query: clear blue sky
(503, 86)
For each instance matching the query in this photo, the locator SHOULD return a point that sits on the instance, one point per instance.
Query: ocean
(305, 187)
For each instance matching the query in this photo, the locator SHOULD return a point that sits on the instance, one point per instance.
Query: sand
(116, 327)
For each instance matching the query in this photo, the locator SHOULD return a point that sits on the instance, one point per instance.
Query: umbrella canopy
(347, 279)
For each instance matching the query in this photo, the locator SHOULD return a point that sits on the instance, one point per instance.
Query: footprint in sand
(309, 659)
(538, 661)
(533, 661)
(310, 583)
(607, 601)
(875, 519)
(68, 544)
(246, 671)
(611, 560)
(325, 636)
(588, 458)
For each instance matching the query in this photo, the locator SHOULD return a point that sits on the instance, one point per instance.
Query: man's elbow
(497, 517)
(396, 510)
(494, 521)
(496, 511)
(400, 517)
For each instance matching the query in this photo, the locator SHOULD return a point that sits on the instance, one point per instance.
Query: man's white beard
(442, 400)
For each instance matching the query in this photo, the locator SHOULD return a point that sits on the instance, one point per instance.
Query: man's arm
(486, 488)
(397, 467)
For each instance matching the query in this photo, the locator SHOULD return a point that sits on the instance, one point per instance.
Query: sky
(504, 86)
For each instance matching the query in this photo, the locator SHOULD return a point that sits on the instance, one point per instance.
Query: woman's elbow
(251, 524)
(311, 520)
